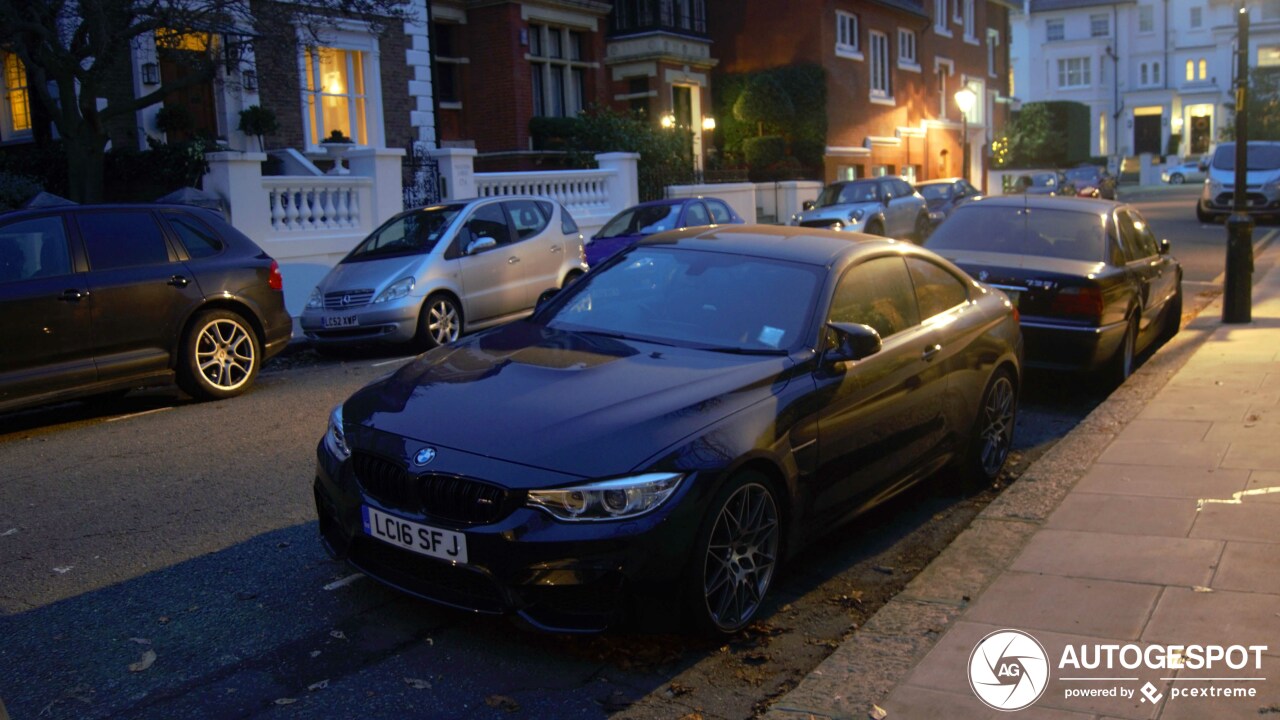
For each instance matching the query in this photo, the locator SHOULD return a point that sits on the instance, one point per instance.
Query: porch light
(150, 74)
(708, 123)
(668, 121)
(249, 79)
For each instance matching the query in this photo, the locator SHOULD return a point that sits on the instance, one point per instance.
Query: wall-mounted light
(249, 79)
(1177, 124)
(708, 123)
(150, 74)
(668, 121)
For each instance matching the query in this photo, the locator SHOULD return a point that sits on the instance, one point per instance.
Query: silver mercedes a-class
(429, 274)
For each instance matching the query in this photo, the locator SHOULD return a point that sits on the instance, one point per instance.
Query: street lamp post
(1237, 301)
(965, 98)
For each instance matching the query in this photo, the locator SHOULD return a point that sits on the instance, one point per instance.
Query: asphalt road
(159, 559)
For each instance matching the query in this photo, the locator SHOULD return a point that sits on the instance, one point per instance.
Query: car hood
(371, 274)
(839, 212)
(574, 403)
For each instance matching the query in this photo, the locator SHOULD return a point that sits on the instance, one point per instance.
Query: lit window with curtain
(558, 63)
(17, 101)
(334, 94)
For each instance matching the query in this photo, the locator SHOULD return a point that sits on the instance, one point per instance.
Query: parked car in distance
(1043, 183)
(1189, 170)
(946, 194)
(1092, 181)
(656, 216)
(101, 299)
(1262, 181)
(1093, 285)
(886, 206)
(430, 274)
(664, 432)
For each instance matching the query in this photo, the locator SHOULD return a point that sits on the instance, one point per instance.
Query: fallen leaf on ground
(286, 701)
(878, 713)
(318, 685)
(147, 660)
(678, 688)
(338, 634)
(1202, 589)
(502, 702)
(417, 684)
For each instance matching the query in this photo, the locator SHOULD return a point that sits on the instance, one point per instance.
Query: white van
(1262, 181)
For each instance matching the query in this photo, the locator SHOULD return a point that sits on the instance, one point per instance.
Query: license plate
(340, 322)
(415, 537)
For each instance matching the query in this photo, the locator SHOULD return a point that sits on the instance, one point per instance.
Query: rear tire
(1203, 216)
(922, 229)
(220, 356)
(992, 433)
(1172, 316)
(875, 228)
(439, 322)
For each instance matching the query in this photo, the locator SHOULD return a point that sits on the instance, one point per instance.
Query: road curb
(879, 656)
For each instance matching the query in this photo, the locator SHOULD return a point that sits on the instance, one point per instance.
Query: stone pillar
(236, 177)
(624, 187)
(384, 165)
(457, 169)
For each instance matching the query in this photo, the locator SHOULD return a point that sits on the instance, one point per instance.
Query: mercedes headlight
(316, 301)
(795, 219)
(398, 289)
(335, 437)
(616, 499)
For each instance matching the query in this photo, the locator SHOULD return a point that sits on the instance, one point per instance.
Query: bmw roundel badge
(983, 275)
(424, 456)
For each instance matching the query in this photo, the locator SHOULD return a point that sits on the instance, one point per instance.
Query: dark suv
(97, 300)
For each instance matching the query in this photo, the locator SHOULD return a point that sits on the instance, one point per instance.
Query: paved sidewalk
(1156, 522)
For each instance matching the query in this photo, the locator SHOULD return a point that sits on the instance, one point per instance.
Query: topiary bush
(763, 152)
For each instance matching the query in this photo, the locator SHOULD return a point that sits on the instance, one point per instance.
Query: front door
(1146, 134)
(1201, 134)
(195, 102)
(492, 283)
(539, 247)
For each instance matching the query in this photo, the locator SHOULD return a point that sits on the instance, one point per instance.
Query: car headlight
(1216, 187)
(316, 301)
(616, 499)
(936, 215)
(398, 289)
(856, 216)
(335, 437)
(795, 219)
(1272, 187)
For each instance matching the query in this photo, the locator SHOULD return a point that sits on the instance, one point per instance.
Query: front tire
(1176, 178)
(875, 228)
(439, 322)
(736, 555)
(220, 356)
(1203, 216)
(992, 433)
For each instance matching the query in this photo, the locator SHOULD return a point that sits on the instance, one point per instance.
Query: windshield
(644, 220)
(1044, 180)
(1261, 157)
(1085, 174)
(940, 191)
(692, 298)
(847, 193)
(408, 234)
(1045, 232)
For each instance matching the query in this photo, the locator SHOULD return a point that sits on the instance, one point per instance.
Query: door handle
(73, 295)
(930, 352)
(513, 260)
(178, 281)
(555, 248)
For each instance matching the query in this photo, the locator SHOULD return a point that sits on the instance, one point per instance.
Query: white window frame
(1146, 19)
(1084, 70)
(1050, 24)
(970, 22)
(939, 65)
(1143, 78)
(993, 42)
(848, 38)
(908, 50)
(352, 36)
(570, 71)
(7, 133)
(940, 19)
(1099, 21)
(1155, 74)
(881, 78)
(1196, 17)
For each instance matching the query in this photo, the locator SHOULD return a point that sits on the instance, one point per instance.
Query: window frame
(970, 20)
(9, 129)
(1099, 31)
(1052, 24)
(1146, 19)
(941, 25)
(880, 89)
(1085, 72)
(350, 36)
(556, 75)
(848, 32)
(908, 49)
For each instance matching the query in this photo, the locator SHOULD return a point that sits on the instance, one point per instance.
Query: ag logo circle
(1008, 670)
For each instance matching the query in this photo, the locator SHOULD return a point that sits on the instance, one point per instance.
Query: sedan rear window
(1044, 232)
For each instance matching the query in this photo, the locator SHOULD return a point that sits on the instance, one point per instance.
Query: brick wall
(396, 102)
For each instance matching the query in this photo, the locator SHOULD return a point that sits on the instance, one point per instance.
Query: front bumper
(1258, 202)
(1059, 346)
(554, 575)
(391, 322)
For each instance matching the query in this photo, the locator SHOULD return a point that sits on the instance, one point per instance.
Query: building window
(847, 44)
(17, 101)
(993, 42)
(1204, 69)
(558, 70)
(1146, 19)
(334, 94)
(1270, 10)
(1099, 26)
(970, 22)
(1102, 133)
(1155, 73)
(1143, 75)
(880, 85)
(1197, 17)
(907, 48)
(1269, 56)
(1073, 72)
(940, 18)
(1054, 29)
(1191, 70)
(447, 63)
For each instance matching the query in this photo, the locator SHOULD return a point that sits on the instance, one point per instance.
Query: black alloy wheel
(992, 433)
(737, 555)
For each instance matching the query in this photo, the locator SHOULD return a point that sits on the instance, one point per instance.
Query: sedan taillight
(276, 280)
(1078, 302)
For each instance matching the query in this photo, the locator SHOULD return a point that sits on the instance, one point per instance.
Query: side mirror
(1165, 246)
(888, 197)
(481, 244)
(854, 341)
(808, 205)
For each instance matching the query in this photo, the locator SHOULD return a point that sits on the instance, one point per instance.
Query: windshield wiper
(729, 350)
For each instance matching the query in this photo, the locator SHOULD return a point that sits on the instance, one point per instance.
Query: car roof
(780, 242)
(938, 181)
(1043, 202)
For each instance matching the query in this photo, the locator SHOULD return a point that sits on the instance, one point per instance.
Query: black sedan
(944, 195)
(668, 429)
(1093, 285)
(98, 299)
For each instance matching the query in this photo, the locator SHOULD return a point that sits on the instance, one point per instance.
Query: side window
(199, 240)
(1129, 237)
(696, 214)
(886, 189)
(129, 238)
(33, 249)
(719, 212)
(567, 224)
(526, 217)
(960, 190)
(491, 222)
(902, 188)
(936, 289)
(1146, 239)
(877, 293)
